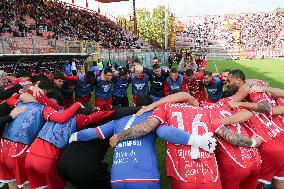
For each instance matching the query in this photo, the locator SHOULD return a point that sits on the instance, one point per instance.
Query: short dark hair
(44, 82)
(55, 94)
(155, 58)
(189, 72)
(238, 74)
(58, 75)
(23, 73)
(143, 100)
(209, 73)
(156, 66)
(122, 71)
(174, 70)
(91, 77)
(107, 70)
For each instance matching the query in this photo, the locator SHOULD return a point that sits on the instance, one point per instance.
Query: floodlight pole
(134, 18)
(166, 23)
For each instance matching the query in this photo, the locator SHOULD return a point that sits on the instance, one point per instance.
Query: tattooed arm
(262, 107)
(234, 138)
(137, 131)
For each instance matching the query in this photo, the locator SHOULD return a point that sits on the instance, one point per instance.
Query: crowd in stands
(252, 31)
(58, 20)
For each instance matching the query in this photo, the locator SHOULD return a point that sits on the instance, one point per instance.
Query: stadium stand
(46, 21)
(234, 32)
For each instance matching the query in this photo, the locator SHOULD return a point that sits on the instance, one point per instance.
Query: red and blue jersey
(67, 70)
(130, 164)
(139, 86)
(26, 126)
(103, 88)
(120, 86)
(83, 88)
(215, 89)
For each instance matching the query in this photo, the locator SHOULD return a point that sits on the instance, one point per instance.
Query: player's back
(134, 160)
(188, 163)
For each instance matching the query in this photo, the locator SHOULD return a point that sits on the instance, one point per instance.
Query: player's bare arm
(137, 131)
(241, 94)
(238, 117)
(174, 98)
(276, 92)
(237, 139)
(278, 110)
(262, 107)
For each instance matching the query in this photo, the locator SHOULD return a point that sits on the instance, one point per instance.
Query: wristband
(253, 145)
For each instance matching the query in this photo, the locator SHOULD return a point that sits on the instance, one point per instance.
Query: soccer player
(130, 155)
(174, 83)
(120, 87)
(271, 150)
(84, 86)
(157, 80)
(139, 82)
(189, 167)
(239, 166)
(195, 85)
(18, 135)
(42, 160)
(104, 89)
(82, 164)
(213, 86)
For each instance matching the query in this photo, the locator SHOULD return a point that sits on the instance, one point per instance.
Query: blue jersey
(157, 84)
(82, 88)
(215, 90)
(175, 86)
(26, 126)
(103, 89)
(120, 86)
(133, 160)
(95, 69)
(58, 134)
(66, 68)
(139, 86)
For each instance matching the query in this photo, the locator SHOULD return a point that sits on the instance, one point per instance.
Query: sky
(183, 8)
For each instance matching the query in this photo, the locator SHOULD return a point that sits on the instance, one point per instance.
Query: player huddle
(230, 139)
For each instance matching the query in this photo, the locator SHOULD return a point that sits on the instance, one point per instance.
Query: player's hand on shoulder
(113, 140)
(257, 139)
(143, 110)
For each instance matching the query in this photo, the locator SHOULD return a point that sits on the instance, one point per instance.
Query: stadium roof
(110, 1)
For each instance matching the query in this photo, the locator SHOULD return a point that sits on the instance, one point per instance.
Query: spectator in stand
(174, 83)
(139, 82)
(120, 88)
(104, 89)
(213, 86)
